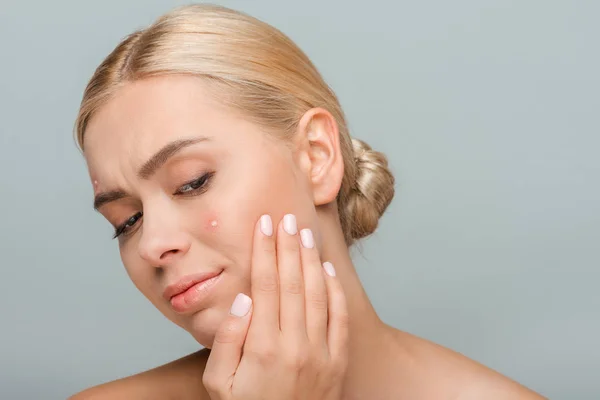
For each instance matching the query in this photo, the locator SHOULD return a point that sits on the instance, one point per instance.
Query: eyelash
(198, 186)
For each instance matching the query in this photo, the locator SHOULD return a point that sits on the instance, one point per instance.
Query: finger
(227, 348)
(315, 289)
(338, 314)
(264, 281)
(291, 281)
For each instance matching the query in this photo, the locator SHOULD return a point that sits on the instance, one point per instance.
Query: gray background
(488, 111)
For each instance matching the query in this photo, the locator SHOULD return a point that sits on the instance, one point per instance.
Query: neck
(362, 315)
(368, 335)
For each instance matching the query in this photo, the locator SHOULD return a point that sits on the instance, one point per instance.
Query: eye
(127, 225)
(195, 187)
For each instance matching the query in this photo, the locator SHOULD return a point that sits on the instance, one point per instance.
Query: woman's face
(202, 177)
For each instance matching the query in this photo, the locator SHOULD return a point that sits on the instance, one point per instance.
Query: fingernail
(307, 238)
(266, 225)
(241, 305)
(289, 224)
(328, 267)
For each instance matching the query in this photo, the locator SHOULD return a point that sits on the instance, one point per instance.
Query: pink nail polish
(289, 224)
(307, 239)
(241, 305)
(328, 267)
(266, 225)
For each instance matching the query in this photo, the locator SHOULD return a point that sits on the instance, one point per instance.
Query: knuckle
(263, 352)
(293, 287)
(343, 320)
(318, 300)
(210, 381)
(321, 361)
(297, 359)
(338, 366)
(268, 284)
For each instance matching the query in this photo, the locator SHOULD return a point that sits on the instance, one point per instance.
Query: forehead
(143, 116)
(169, 105)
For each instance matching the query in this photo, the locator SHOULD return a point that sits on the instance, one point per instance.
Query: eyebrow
(107, 197)
(162, 156)
(149, 168)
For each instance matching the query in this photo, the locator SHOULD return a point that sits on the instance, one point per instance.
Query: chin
(204, 325)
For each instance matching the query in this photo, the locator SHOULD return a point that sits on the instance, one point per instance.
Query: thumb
(227, 347)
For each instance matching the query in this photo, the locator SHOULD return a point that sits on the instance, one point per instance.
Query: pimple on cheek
(211, 222)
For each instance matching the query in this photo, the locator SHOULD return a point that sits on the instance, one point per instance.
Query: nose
(163, 240)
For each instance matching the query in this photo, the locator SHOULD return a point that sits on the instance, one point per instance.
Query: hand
(290, 342)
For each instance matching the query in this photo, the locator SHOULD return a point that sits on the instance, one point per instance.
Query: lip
(190, 290)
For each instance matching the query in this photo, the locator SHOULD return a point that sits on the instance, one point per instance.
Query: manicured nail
(307, 238)
(241, 305)
(328, 267)
(289, 224)
(266, 225)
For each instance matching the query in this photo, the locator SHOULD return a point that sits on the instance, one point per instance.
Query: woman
(225, 164)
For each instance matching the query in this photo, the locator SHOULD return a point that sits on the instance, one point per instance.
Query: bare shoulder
(481, 382)
(179, 379)
(444, 373)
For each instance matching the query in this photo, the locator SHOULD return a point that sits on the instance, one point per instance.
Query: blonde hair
(257, 70)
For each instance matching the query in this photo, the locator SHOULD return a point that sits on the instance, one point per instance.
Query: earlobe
(319, 130)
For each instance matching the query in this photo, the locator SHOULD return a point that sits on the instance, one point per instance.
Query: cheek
(129, 263)
(225, 229)
(140, 274)
(211, 222)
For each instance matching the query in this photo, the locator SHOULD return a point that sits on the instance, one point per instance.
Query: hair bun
(372, 191)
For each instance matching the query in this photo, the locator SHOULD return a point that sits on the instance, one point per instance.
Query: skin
(291, 341)
(254, 175)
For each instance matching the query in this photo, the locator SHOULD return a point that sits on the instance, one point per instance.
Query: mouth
(188, 293)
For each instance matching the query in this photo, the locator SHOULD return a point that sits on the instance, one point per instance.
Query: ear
(319, 154)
